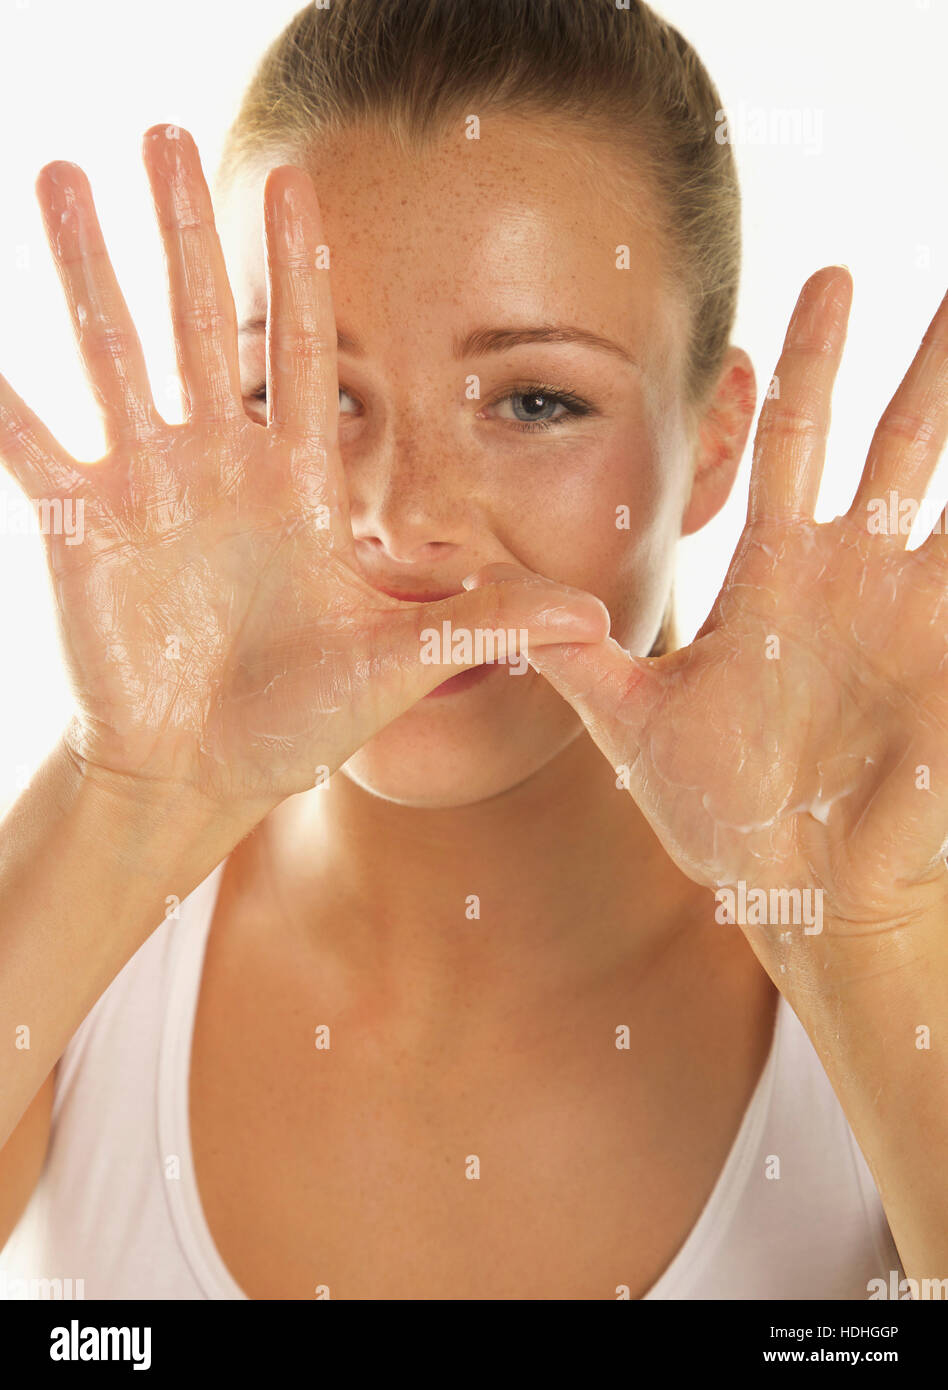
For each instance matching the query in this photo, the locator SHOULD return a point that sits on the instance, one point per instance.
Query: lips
(418, 597)
(464, 680)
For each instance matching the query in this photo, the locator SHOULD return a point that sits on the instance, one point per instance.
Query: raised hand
(216, 624)
(801, 740)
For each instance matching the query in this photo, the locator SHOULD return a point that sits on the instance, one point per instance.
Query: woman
(342, 978)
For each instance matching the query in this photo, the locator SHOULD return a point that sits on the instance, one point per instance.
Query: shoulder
(128, 1016)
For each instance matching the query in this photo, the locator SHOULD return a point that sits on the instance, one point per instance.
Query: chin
(462, 748)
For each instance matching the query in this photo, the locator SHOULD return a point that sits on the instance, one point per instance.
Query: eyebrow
(481, 341)
(484, 340)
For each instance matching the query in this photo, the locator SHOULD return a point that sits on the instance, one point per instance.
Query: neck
(551, 881)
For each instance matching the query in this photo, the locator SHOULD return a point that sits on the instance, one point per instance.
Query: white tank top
(794, 1213)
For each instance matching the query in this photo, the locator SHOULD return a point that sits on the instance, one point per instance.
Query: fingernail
(60, 182)
(165, 140)
(563, 618)
(810, 310)
(168, 144)
(294, 220)
(63, 219)
(557, 618)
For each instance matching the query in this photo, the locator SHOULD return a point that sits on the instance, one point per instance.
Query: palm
(784, 749)
(219, 629)
(802, 739)
(200, 617)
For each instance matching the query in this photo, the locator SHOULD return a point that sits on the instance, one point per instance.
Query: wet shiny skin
(493, 1036)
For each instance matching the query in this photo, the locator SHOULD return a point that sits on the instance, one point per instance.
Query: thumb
(486, 623)
(613, 692)
(31, 455)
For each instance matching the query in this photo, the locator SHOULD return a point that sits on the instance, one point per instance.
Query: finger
(202, 306)
(302, 370)
(910, 436)
(611, 691)
(37, 460)
(790, 444)
(934, 549)
(497, 622)
(108, 343)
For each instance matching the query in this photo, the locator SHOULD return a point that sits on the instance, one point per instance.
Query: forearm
(883, 1042)
(86, 869)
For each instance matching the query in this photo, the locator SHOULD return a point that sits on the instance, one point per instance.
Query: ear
(722, 434)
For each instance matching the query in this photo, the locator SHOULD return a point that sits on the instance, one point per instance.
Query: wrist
(147, 820)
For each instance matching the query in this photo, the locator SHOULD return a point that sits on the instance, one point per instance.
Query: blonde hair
(624, 76)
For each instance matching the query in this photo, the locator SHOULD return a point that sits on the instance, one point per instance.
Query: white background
(83, 81)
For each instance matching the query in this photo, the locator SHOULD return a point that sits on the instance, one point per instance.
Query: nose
(407, 501)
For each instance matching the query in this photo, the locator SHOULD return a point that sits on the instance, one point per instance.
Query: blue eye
(535, 404)
(532, 406)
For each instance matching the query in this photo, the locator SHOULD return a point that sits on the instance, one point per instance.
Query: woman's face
(479, 422)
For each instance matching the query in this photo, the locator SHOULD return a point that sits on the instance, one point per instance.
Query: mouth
(456, 685)
(464, 680)
(430, 597)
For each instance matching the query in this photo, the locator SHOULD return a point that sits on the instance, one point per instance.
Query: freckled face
(468, 439)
